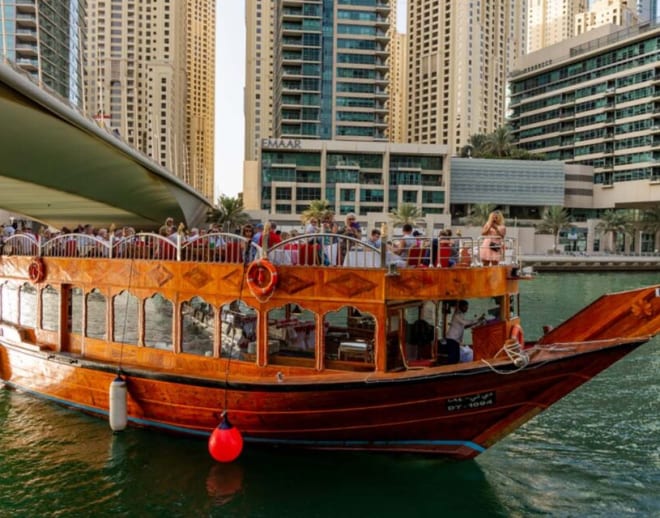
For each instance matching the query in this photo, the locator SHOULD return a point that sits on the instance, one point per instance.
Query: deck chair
(233, 252)
(309, 254)
(415, 256)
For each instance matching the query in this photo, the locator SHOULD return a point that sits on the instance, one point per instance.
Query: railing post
(39, 236)
(112, 237)
(178, 245)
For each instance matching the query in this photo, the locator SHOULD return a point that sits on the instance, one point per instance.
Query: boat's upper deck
(319, 250)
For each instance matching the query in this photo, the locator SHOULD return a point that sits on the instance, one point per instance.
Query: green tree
(613, 223)
(651, 223)
(228, 213)
(477, 147)
(405, 213)
(499, 143)
(555, 219)
(479, 214)
(318, 209)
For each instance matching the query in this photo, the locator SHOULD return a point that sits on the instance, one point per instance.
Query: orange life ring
(255, 277)
(36, 270)
(518, 335)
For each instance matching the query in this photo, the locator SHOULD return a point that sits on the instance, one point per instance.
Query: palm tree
(318, 209)
(555, 219)
(500, 142)
(651, 224)
(229, 213)
(477, 146)
(479, 214)
(613, 223)
(405, 213)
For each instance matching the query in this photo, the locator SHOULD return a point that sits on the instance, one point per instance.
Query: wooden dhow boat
(319, 342)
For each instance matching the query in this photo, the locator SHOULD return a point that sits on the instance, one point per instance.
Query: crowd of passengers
(444, 250)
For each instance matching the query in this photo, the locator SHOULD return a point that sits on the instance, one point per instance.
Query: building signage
(281, 143)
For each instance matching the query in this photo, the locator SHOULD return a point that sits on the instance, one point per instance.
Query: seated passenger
(407, 241)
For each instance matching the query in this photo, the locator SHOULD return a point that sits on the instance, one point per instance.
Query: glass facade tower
(44, 38)
(599, 107)
(330, 77)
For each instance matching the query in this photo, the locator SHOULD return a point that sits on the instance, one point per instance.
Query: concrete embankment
(591, 263)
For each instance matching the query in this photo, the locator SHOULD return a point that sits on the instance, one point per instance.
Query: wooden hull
(438, 410)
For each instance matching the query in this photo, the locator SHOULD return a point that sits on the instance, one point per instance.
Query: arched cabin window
(291, 336)
(28, 305)
(96, 315)
(50, 308)
(350, 338)
(125, 308)
(197, 327)
(239, 331)
(158, 313)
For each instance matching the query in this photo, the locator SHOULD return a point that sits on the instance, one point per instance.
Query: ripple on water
(595, 453)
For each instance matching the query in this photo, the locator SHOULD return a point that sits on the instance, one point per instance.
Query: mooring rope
(515, 353)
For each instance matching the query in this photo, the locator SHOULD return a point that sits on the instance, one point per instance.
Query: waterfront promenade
(591, 262)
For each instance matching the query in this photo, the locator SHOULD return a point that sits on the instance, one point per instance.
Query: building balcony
(26, 36)
(27, 51)
(382, 36)
(26, 21)
(31, 65)
(383, 6)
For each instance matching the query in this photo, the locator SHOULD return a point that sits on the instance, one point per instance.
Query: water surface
(595, 453)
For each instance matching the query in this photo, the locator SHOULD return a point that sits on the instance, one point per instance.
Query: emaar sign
(280, 143)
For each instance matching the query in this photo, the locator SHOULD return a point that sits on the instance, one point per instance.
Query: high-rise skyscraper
(316, 69)
(45, 38)
(150, 78)
(259, 40)
(459, 55)
(551, 21)
(603, 12)
(648, 9)
(199, 162)
(397, 120)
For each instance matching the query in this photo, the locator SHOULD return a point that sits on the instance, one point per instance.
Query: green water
(595, 453)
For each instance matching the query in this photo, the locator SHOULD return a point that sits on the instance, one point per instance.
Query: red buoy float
(226, 441)
(518, 335)
(261, 277)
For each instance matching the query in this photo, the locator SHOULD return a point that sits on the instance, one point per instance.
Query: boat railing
(20, 244)
(219, 247)
(214, 247)
(74, 245)
(322, 249)
(325, 249)
(508, 253)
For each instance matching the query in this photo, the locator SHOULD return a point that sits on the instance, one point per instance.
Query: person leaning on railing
(492, 247)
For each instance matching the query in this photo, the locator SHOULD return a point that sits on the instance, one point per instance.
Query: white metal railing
(322, 249)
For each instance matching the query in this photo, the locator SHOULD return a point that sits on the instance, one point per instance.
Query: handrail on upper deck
(320, 249)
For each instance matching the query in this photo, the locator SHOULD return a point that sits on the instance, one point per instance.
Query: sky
(229, 86)
(229, 83)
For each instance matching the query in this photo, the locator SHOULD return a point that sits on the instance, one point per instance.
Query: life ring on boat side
(518, 335)
(261, 277)
(36, 270)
